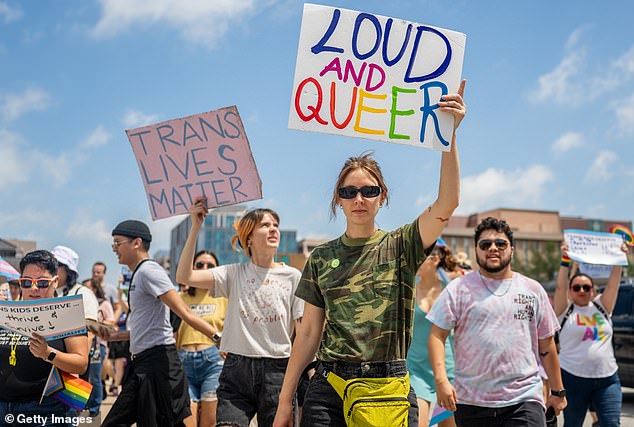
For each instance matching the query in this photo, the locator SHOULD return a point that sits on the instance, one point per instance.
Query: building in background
(216, 233)
(13, 250)
(534, 231)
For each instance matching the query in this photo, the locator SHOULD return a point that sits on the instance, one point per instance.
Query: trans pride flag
(439, 414)
(68, 389)
(7, 270)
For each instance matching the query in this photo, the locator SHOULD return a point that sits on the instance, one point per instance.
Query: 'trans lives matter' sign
(370, 76)
(204, 155)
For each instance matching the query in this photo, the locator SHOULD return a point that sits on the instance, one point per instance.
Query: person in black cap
(154, 389)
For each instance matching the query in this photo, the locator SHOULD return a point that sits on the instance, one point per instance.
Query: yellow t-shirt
(211, 310)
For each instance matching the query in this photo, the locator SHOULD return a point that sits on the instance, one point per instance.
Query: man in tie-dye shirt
(503, 323)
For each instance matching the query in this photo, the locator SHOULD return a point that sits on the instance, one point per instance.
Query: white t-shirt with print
(497, 325)
(261, 311)
(586, 345)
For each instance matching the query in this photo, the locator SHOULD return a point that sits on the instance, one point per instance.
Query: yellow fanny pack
(373, 402)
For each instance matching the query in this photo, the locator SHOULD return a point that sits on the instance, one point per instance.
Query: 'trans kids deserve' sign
(592, 247)
(52, 318)
(370, 76)
(206, 155)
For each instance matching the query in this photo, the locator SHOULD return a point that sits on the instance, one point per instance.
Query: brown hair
(366, 163)
(448, 261)
(245, 225)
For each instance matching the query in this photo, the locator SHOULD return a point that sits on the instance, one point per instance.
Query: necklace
(505, 291)
(14, 345)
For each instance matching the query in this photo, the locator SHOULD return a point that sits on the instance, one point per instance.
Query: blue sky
(550, 122)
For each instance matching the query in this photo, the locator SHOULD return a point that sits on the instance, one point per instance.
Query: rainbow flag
(624, 232)
(69, 389)
(439, 414)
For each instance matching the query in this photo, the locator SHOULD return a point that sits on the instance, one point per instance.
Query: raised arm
(185, 273)
(560, 301)
(435, 217)
(611, 291)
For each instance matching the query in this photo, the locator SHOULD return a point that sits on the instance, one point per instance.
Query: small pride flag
(439, 414)
(624, 232)
(72, 391)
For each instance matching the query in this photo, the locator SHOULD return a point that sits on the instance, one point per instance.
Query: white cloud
(13, 106)
(602, 167)
(624, 112)
(57, 169)
(162, 231)
(574, 82)
(566, 142)
(97, 138)
(82, 227)
(14, 169)
(134, 119)
(9, 13)
(500, 188)
(201, 22)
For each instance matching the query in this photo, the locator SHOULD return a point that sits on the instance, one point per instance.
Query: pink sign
(206, 154)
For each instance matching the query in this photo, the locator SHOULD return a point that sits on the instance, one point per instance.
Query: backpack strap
(566, 316)
(602, 310)
(132, 278)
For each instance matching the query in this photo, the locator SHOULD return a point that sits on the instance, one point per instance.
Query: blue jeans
(604, 394)
(249, 385)
(50, 413)
(202, 369)
(94, 373)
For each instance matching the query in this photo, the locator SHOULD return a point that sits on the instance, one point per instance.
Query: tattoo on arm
(544, 354)
(441, 219)
(429, 209)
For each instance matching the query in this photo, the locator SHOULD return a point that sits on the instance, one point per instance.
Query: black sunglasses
(205, 265)
(577, 288)
(485, 244)
(367, 191)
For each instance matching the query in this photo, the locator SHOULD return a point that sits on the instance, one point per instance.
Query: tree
(541, 265)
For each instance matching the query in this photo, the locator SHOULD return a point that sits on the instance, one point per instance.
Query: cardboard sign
(370, 76)
(52, 318)
(593, 247)
(206, 154)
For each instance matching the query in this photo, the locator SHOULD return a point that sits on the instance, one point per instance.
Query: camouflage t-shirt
(358, 283)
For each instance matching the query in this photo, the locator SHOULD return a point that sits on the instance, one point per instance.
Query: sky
(549, 125)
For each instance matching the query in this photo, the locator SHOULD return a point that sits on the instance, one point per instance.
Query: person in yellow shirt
(200, 355)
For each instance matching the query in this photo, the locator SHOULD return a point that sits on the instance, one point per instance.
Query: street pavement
(627, 416)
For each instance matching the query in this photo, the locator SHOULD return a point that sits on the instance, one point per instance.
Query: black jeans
(525, 414)
(322, 405)
(249, 385)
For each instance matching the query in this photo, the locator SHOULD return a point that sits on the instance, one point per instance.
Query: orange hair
(245, 225)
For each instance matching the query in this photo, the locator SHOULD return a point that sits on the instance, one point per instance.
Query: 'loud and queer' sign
(206, 155)
(370, 76)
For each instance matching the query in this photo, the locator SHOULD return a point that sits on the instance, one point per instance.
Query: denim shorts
(40, 414)
(202, 369)
(249, 385)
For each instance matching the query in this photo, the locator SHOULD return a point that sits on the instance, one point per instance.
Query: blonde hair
(366, 163)
(245, 226)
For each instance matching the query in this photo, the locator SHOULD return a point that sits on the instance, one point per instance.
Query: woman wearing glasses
(25, 363)
(200, 355)
(588, 366)
(262, 314)
(359, 288)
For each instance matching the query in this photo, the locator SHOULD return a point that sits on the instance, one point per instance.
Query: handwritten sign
(206, 154)
(595, 248)
(370, 76)
(596, 271)
(52, 318)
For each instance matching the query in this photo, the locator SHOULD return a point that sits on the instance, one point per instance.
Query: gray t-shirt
(149, 320)
(111, 292)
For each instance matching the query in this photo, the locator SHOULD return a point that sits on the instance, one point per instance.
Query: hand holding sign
(595, 248)
(198, 211)
(39, 347)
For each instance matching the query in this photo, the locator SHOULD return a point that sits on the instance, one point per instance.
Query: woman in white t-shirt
(588, 366)
(262, 313)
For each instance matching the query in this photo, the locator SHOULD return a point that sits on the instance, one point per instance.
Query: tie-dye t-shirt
(586, 345)
(497, 325)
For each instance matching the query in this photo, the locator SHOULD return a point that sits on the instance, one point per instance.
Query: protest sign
(596, 271)
(206, 155)
(595, 248)
(370, 76)
(52, 318)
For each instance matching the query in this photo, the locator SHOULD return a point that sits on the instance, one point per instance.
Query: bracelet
(565, 261)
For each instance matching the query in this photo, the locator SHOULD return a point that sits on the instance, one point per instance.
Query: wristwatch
(559, 393)
(51, 355)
